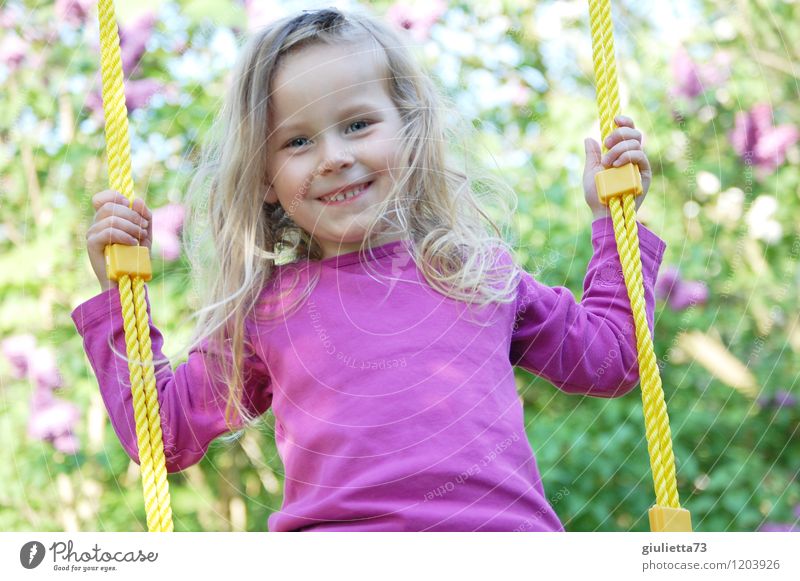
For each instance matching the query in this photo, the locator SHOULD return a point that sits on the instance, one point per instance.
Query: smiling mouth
(346, 200)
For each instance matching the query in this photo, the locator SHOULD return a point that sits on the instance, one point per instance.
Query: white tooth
(347, 195)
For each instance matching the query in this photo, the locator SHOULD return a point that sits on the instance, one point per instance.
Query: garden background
(713, 86)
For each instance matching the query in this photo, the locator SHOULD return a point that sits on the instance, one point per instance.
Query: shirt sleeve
(192, 403)
(586, 347)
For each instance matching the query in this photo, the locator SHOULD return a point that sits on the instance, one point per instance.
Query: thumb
(592, 153)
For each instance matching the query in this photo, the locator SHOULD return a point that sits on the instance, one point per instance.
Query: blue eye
(291, 143)
(359, 121)
(294, 141)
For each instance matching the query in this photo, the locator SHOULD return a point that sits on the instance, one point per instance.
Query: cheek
(385, 154)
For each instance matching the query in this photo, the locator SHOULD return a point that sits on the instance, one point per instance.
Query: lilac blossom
(10, 15)
(417, 17)
(778, 527)
(758, 141)
(53, 420)
(780, 399)
(133, 41)
(13, 50)
(680, 294)
(692, 79)
(139, 92)
(19, 351)
(167, 225)
(73, 12)
(137, 95)
(44, 370)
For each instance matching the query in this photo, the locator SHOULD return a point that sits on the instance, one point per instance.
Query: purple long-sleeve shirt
(395, 409)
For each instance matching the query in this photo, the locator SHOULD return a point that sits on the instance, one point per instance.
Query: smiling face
(333, 126)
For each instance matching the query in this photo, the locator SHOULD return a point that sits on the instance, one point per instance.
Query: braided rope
(131, 291)
(623, 215)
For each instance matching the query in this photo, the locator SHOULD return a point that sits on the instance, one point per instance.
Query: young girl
(360, 291)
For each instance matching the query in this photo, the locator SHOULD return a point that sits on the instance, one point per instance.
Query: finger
(622, 134)
(618, 149)
(592, 152)
(105, 237)
(623, 121)
(134, 229)
(635, 156)
(122, 211)
(115, 197)
(107, 196)
(140, 207)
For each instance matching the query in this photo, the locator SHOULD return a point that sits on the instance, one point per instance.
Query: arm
(587, 347)
(192, 407)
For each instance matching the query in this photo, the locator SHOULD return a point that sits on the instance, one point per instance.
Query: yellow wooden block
(664, 519)
(618, 181)
(131, 260)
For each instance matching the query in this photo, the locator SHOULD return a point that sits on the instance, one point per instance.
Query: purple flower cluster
(133, 39)
(692, 79)
(680, 294)
(73, 12)
(780, 399)
(779, 527)
(759, 142)
(167, 225)
(51, 419)
(416, 17)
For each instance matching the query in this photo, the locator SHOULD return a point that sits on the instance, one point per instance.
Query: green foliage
(736, 458)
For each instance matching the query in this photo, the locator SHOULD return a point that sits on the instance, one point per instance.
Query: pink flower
(685, 75)
(74, 12)
(680, 294)
(139, 92)
(137, 95)
(44, 370)
(167, 225)
(417, 17)
(756, 140)
(780, 399)
(692, 79)
(19, 351)
(53, 420)
(133, 40)
(29, 361)
(10, 15)
(13, 50)
(778, 527)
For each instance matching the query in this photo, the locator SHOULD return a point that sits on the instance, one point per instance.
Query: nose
(335, 156)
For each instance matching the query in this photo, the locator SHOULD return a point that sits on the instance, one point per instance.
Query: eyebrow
(346, 112)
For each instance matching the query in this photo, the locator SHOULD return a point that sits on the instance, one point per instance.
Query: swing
(130, 267)
(616, 188)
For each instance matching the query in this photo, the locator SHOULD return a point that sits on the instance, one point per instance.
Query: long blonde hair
(236, 241)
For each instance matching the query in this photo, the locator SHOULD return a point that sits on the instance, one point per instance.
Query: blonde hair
(241, 240)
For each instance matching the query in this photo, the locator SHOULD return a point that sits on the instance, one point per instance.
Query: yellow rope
(623, 215)
(131, 290)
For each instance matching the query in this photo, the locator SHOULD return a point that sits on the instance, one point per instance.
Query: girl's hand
(624, 145)
(116, 223)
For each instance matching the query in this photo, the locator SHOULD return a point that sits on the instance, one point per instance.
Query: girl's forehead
(322, 75)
